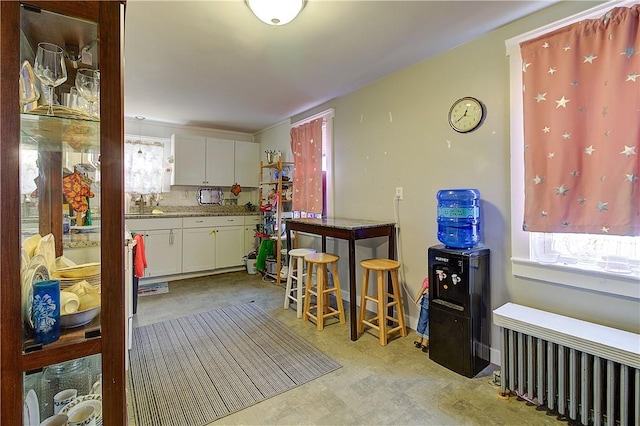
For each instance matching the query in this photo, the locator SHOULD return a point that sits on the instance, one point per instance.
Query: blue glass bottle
(46, 311)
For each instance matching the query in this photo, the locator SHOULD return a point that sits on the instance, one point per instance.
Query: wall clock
(466, 114)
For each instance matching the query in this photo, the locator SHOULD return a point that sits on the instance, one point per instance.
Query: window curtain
(581, 92)
(306, 144)
(144, 166)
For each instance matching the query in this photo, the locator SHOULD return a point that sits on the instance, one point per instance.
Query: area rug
(153, 289)
(196, 369)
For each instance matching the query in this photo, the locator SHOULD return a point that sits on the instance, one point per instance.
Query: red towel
(140, 261)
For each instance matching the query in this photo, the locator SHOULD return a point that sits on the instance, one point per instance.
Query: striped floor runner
(196, 369)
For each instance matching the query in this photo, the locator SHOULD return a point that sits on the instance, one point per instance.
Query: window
(601, 263)
(303, 165)
(144, 165)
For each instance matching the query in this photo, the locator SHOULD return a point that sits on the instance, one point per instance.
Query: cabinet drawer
(251, 220)
(210, 221)
(149, 224)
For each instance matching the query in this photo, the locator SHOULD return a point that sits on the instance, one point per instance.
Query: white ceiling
(214, 64)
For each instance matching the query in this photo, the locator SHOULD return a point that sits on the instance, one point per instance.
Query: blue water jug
(459, 217)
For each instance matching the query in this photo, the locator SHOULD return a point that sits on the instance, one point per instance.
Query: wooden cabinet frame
(111, 344)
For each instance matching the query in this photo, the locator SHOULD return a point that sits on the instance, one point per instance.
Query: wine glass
(50, 68)
(28, 90)
(88, 84)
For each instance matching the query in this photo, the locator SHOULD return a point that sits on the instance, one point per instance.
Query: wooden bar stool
(296, 272)
(322, 309)
(383, 299)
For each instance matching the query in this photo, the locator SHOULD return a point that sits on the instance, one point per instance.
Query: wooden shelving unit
(23, 25)
(272, 195)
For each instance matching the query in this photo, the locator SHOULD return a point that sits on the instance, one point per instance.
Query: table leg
(353, 320)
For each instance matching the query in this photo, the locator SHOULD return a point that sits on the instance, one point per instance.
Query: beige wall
(394, 132)
(275, 137)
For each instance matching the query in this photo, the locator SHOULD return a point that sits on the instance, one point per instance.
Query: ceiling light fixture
(276, 12)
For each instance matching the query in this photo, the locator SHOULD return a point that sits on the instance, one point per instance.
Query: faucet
(141, 203)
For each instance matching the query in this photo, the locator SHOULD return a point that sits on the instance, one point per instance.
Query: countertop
(341, 223)
(193, 211)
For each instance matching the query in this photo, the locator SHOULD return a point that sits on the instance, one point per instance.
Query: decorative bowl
(79, 318)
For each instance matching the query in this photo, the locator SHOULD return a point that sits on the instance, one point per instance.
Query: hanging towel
(140, 259)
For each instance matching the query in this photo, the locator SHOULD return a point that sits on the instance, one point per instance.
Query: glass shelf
(43, 132)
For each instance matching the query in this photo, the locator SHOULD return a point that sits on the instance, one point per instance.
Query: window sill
(593, 280)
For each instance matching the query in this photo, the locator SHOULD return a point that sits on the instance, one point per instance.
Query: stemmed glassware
(28, 90)
(50, 68)
(88, 84)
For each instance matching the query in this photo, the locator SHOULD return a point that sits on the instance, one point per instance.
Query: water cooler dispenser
(459, 308)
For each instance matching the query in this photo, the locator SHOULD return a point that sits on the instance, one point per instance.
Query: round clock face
(466, 114)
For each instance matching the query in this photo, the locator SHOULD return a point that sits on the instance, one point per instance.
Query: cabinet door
(163, 248)
(189, 160)
(250, 240)
(219, 162)
(199, 249)
(229, 246)
(247, 159)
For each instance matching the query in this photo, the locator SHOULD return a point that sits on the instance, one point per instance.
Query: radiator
(585, 372)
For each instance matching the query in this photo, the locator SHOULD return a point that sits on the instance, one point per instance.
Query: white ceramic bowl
(79, 318)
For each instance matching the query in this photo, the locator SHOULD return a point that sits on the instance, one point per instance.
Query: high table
(345, 229)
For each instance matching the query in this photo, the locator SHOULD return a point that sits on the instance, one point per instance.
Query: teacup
(62, 398)
(82, 415)
(55, 420)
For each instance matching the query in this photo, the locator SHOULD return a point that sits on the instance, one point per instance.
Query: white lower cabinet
(199, 250)
(162, 244)
(250, 240)
(175, 246)
(212, 242)
(229, 246)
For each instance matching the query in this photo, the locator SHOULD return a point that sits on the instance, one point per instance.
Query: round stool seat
(301, 252)
(380, 264)
(321, 258)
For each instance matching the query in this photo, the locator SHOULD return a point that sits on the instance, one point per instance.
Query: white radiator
(583, 371)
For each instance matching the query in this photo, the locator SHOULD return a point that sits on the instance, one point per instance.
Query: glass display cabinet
(62, 314)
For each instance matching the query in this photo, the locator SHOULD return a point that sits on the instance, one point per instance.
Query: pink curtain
(306, 144)
(581, 91)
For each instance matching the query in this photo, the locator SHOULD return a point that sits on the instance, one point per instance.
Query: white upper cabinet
(220, 170)
(189, 158)
(213, 162)
(246, 160)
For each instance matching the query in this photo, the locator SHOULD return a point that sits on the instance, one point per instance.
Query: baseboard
(154, 280)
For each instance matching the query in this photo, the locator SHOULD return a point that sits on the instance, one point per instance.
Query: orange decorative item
(236, 189)
(76, 189)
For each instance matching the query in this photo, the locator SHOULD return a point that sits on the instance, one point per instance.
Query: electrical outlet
(399, 195)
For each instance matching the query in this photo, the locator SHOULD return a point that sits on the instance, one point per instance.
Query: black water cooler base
(450, 342)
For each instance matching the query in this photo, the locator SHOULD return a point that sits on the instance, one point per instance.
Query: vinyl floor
(392, 385)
